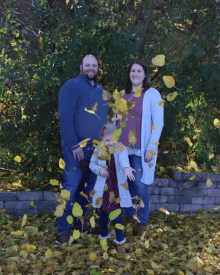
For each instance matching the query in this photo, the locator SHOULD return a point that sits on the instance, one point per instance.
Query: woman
(144, 114)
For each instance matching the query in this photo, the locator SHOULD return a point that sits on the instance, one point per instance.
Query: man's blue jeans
(103, 222)
(140, 189)
(72, 182)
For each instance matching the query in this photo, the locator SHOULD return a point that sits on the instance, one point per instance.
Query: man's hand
(104, 172)
(78, 153)
(148, 157)
(128, 173)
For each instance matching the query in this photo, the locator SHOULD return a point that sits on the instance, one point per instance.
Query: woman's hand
(148, 157)
(128, 173)
(104, 172)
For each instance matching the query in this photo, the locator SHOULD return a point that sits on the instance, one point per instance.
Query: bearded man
(76, 125)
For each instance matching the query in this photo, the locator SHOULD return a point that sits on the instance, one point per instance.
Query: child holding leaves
(111, 186)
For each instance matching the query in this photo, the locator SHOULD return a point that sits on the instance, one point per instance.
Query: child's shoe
(120, 246)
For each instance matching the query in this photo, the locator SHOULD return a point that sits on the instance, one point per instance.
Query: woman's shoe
(141, 228)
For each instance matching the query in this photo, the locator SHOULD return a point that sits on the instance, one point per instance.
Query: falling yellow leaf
(76, 234)
(99, 201)
(83, 194)
(192, 178)
(112, 150)
(68, 31)
(49, 254)
(69, 219)
(169, 81)
(125, 185)
(172, 96)
(153, 127)
(111, 197)
(17, 158)
(155, 143)
(188, 141)
(118, 200)
(216, 123)
(62, 163)
(136, 218)
(106, 187)
(77, 210)
(59, 210)
(211, 156)
(123, 124)
(152, 152)
(114, 214)
(94, 108)
(119, 226)
(32, 204)
(92, 193)
(83, 143)
(117, 132)
(65, 194)
(95, 154)
(139, 170)
(104, 244)
(89, 111)
(209, 183)
(161, 102)
(132, 138)
(92, 221)
(120, 147)
(159, 60)
(93, 256)
(217, 208)
(185, 184)
(40, 40)
(106, 95)
(138, 91)
(54, 182)
(24, 220)
(164, 211)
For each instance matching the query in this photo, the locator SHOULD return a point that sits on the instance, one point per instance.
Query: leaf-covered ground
(175, 244)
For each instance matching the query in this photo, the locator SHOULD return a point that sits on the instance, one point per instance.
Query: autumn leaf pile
(174, 244)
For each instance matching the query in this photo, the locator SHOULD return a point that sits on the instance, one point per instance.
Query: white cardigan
(152, 113)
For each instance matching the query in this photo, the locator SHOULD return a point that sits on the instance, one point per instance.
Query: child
(116, 174)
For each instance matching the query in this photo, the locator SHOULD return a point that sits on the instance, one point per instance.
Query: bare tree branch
(149, 20)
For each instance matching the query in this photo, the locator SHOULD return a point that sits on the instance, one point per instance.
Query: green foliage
(39, 55)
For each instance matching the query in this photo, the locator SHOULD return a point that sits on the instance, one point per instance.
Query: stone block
(203, 200)
(213, 177)
(21, 212)
(179, 199)
(158, 199)
(217, 200)
(190, 207)
(210, 207)
(199, 176)
(30, 196)
(161, 182)
(169, 191)
(154, 190)
(2, 204)
(202, 184)
(10, 211)
(195, 192)
(152, 207)
(17, 205)
(214, 192)
(176, 175)
(8, 196)
(48, 196)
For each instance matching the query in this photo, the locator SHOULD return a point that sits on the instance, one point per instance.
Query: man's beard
(91, 78)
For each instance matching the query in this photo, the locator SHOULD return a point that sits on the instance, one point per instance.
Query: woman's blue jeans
(140, 189)
(73, 182)
(103, 220)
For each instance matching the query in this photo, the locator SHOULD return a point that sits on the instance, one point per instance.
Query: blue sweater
(75, 123)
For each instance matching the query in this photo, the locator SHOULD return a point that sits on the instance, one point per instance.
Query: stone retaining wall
(166, 193)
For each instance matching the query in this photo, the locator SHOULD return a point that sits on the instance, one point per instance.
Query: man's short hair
(90, 55)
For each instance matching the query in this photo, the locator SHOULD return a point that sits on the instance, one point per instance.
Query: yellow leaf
(83, 194)
(119, 226)
(120, 147)
(112, 150)
(216, 123)
(24, 220)
(192, 178)
(152, 152)
(172, 96)
(59, 210)
(217, 208)
(83, 143)
(17, 233)
(118, 200)
(211, 156)
(153, 127)
(209, 183)
(77, 210)
(105, 255)
(2, 210)
(136, 218)
(106, 187)
(188, 141)
(93, 257)
(27, 190)
(104, 244)
(146, 244)
(138, 251)
(125, 185)
(62, 164)
(89, 111)
(123, 124)
(25, 254)
(139, 170)
(17, 158)
(95, 154)
(92, 193)
(69, 219)
(49, 254)
(92, 221)
(105, 166)
(40, 40)
(17, 184)
(54, 182)
(185, 184)
(76, 234)
(194, 165)
(138, 91)
(68, 31)
(99, 201)
(161, 102)
(154, 265)
(159, 60)
(65, 194)
(114, 214)
(106, 95)
(94, 108)
(111, 197)
(114, 138)
(132, 137)
(155, 143)
(192, 120)
(164, 211)
(117, 132)
(169, 81)
(28, 247)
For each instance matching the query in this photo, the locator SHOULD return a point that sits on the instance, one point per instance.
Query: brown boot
(130, 220)
(141, 228)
